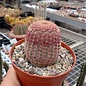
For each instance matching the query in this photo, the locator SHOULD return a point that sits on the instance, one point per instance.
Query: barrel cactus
(42, 43)
(20, 29)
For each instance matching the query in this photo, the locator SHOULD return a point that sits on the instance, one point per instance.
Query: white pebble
(21, 59)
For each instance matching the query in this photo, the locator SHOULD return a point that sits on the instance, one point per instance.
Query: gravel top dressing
(63, 63)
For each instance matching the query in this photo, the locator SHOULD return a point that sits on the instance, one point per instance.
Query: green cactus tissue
(42, 43)
(20, 29)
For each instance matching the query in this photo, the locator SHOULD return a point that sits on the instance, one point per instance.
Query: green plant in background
(0, 68)
(6, 66)
(20, 29)
(82, 75)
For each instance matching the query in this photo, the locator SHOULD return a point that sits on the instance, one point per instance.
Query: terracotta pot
(27, 79)
(18, 37)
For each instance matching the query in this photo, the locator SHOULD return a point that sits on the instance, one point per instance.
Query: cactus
(20, 29)
(82, 75)
(0, 68)
(42, 43)
(6, 66)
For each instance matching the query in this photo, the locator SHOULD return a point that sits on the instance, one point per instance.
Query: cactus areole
(42, 43)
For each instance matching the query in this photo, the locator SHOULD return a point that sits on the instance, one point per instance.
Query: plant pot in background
(18, 31)
(27, 79)
(18, 37)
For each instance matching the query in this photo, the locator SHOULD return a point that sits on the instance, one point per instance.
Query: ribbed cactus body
(42, 43)
(20, 29)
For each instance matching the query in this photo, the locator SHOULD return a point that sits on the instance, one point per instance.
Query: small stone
(14, 54)
(58, 67)
(39, 73)
(58, 60)
(71, 62)
(52, 73)
(30, 67)
(21, 65)
(64, 67)
(27, 66)
(57, 71)
(26, 69)
(38, 69)
(13, 59)
(44, 73)
(31, 70)
(17, 55)
(16, 59)
(63, 55)
(21, 52)
(62, 61)
(48, 68)
(22, 68)
(44, 69)
(18, 46)
(21, 59)
(17, 64)
(51, 66)
(22, 55)
(22, 44)
(54, 70)
(26, 63)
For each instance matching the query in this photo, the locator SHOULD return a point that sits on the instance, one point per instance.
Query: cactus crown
(42, 43)
(20, 29)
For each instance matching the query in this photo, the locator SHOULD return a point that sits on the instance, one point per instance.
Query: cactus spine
(6, 66)
(82, 75)
(42, 43)
(20, 29)
(0, 68)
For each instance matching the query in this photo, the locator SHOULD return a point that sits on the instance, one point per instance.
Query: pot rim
(58, 75)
